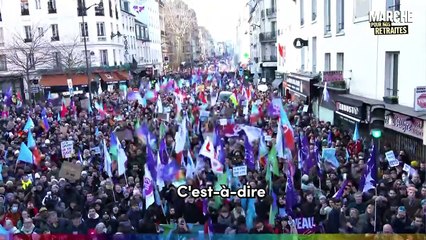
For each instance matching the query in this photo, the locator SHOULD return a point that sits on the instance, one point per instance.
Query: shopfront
(405, 132)
(300, 87)
(277, 83)
(348, 113)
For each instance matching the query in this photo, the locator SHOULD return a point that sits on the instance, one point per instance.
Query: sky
(220, 17)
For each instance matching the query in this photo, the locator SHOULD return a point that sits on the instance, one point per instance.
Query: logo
(346, 108)
(390, 22)
(147, 186)
(421, 100)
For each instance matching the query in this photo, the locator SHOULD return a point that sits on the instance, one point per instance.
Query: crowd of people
(37, 198)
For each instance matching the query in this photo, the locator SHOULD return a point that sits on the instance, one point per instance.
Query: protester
(130, 150)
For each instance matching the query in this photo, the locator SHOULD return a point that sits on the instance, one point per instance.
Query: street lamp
(83, 10)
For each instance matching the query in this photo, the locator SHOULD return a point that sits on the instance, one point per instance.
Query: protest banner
(67, 149)
(239, 171)
(70, 171)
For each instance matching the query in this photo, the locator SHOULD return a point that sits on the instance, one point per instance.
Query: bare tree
(179, 21)
(71, 56)
(30, 51)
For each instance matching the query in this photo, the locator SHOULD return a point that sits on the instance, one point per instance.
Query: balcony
(268, 37)
(51, 10)
(27, 40)
(271, 13)
(83, 38)
(25, 12)
(102, 38)
(81, 11)
(269, 58)
(54, 38)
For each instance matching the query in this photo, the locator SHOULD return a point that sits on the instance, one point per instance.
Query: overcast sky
(218, 16)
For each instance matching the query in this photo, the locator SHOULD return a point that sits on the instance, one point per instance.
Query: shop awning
(277, 82)
(60, 80)
(114, 77)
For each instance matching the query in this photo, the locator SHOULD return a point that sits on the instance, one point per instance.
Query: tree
(179, 21)
(71, 56)
(30, 51)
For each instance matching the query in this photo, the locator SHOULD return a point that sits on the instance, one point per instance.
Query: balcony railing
(52, 10)
(55, 38)
(27, 40)
(268, 36)
(81, 11)
(271, 12)
(25, 12)
(269, 58)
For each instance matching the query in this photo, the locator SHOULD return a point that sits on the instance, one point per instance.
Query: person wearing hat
(400, 221)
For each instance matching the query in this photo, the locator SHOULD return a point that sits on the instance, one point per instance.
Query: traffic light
(247, 75)
(377, 121)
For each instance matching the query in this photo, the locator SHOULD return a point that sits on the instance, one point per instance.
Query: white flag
(107, 160)
(121, 160)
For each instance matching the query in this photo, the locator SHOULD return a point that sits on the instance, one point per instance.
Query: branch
(71, 56)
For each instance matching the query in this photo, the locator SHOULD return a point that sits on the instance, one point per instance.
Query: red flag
(202, 97)
(179, 158)
(37, 156)
(64, 111)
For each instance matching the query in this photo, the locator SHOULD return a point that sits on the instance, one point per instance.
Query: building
(128, 33)
(263, 28)
(362, 70)
(164, 42)
(242, 40)
(150, 15)
(206, 44)
(61, 27)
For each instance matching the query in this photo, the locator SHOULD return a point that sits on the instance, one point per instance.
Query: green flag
(221, 180)
(273, 161)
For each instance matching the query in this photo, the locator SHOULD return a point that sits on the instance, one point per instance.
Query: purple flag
(150, 162)
(330, 139)
(290, 197)
(164, 156)
(308, 164)
(339, 194)
(205, 206)
(218, 143)
(248, 154)
(369, 177)
(168, 173)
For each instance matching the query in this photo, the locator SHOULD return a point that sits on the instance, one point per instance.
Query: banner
(305, 225)
(67, 149)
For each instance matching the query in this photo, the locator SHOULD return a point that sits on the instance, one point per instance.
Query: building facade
(206, 44)
(128, 34)
(150, 15)
(263, 26)
(362, 70)
(242, 40)
(63, 26)
(164, 42)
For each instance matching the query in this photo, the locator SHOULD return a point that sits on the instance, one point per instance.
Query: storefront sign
(350, 110)
(332, 76)
(420, 99)
(295, 85)
(404, 124)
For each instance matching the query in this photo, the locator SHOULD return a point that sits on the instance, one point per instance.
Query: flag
(162, 152)
(330, 138)
(253, 133)
(355, 137)
(233, 99)
(248, 154)
(36, 156)
(170, 171)
(250, 213)
(190, 167)
(64, 110)
(273, 161)
(273, 209)
(107, 160)
(25, 154)
(369, 178)
(325, 94)
(280, 144)
(180, 137)
(113, 146)
(148, 188)
(290, 197)
(29, 124)
(121, 160)
(329, 155)
(221, 180)
(30, 140)
(150, 162)
(207, 150)
(1, 170)
(338, 195)
(159, 107)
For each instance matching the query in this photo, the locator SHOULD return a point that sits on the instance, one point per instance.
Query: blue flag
(25, 154)
(29, 124)
(30, 140)
(356, 133)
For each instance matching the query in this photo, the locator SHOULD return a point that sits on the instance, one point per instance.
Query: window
(327, 62)
(84, 31)
(340, 16)
(101, 29)
(302, 20)
(114, 57)
(55, 32)
(99, 10)
(110, 9)
(361, 9)
(40, 31)
(25, 9)
(340, 62)
(116, 12)
(126, 6)
(327, 20)
(392, 5)
(314, 10)
(273, 28)
(103, 54)
(314, 54)
(28, 34)
(51, 6)
(38, 4)
(57, 58)
(391, 73)
(81, 8)
(31, 62)
(1, 37)
(3, 63)
(302, 59)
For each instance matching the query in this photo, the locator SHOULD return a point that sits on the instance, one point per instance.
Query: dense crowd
(36, 198)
